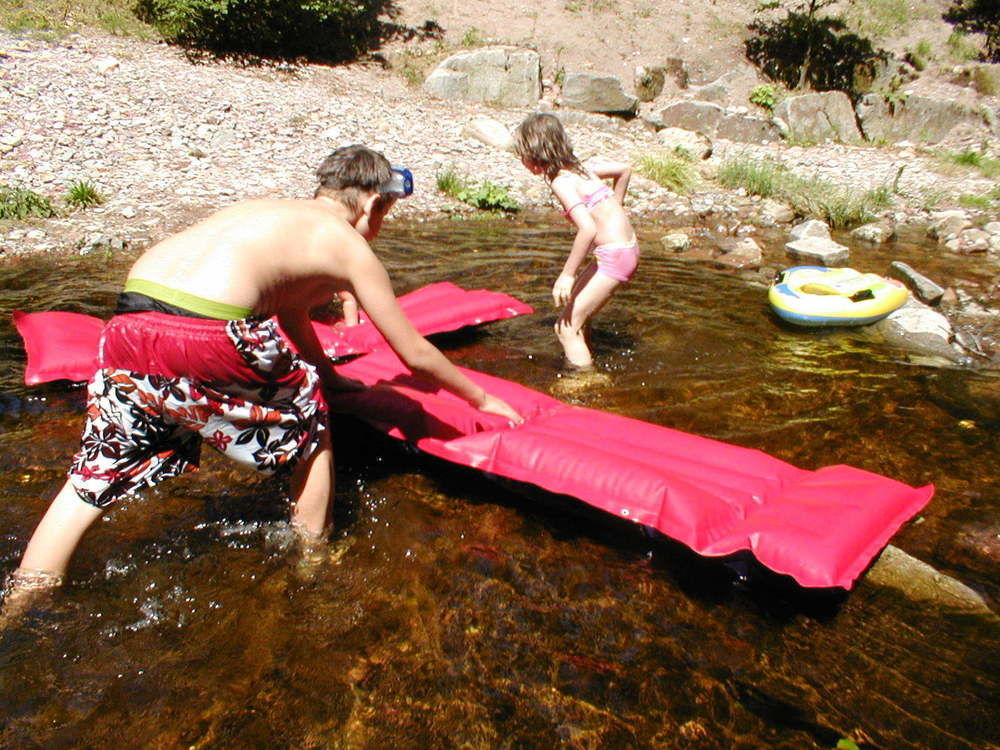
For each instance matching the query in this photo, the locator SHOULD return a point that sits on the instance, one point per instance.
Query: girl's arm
(619, 172)
(586, 230)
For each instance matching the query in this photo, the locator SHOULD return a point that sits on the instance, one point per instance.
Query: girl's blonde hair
(541, 140)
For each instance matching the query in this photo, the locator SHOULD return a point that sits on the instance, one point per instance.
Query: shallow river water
(453, 611)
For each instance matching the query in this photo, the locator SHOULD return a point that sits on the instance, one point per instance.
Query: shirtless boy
(193, 353)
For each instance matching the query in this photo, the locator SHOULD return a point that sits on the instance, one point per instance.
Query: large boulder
(827, 116)
(506, 76)
(919, 329)
(597, 93)
(916, 118)
(717, 122)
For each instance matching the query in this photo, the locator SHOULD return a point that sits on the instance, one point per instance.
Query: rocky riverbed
(163, 138)
(166, 140)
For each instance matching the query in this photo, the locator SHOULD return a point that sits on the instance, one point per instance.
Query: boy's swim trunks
(167, 382)
(618, 259)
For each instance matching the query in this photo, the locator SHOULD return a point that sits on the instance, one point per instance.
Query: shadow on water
(455, 609)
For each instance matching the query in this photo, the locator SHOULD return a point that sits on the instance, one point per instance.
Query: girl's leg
(311, 489)
(591, 293)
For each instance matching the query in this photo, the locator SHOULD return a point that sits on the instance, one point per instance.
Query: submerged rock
(919, 581)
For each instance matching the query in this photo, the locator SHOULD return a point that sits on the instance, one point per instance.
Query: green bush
(807, 49)
(764, 96)
(978, 17)
(330, 30)
(486, 195)
(19, 203)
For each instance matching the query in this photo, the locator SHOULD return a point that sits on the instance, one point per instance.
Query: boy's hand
(493, 405)
(562, 289)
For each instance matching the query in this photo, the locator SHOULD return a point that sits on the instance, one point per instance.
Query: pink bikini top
(592, 199)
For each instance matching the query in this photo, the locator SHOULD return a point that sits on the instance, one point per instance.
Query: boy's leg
(57, 535)
(589, 297)
(312, 486)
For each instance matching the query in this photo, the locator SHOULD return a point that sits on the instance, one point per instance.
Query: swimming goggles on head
(399, 185)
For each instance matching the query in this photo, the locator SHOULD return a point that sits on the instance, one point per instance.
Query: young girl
(601, 223)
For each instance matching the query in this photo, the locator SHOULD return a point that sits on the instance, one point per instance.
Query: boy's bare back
(270, 256)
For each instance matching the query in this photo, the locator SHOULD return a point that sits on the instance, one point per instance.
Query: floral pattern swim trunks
(167, 383)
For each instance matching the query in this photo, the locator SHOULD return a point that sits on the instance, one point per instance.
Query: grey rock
(919, 581)
(820, 117)
(597, 93)
(917, 118)
(675, 241)
(919, 284)
(823, 251)
(919, 329)
(507, 76)
(875, 232)
(699, 117)
(810, 228)
(715, 122)
(696, 145)
(948, 224)
(491, 132)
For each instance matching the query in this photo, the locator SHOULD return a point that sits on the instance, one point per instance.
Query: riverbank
(165, 141)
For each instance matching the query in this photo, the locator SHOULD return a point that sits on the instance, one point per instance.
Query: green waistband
(191, 302)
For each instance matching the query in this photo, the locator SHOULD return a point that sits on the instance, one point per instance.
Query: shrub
(756, 177)
(331, 30)
(19, 203)
(764, 96)
(83, 194)
(671, 169)
(486, 195)
(978, 17)
(807, 49)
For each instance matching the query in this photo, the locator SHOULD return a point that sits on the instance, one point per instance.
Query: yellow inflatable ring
(818, 296)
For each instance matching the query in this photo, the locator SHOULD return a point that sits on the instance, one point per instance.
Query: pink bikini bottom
(617, 259)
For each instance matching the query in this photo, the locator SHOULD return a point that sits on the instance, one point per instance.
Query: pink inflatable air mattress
(821, 527)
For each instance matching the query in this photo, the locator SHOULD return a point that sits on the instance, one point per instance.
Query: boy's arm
(349, 305)
(297, 325)
(619, 172)
(374, 292)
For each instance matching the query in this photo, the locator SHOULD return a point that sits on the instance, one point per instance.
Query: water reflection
(455, 611)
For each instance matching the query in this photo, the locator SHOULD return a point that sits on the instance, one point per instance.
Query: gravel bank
(167, 141)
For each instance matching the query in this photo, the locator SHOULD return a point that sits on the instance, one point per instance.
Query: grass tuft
(810, 196)
(83, 194)
(673, 170)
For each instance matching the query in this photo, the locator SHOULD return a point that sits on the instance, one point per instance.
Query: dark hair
(349, 172)
(542, 140)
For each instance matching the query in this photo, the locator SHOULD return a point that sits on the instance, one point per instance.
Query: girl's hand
(562, 289)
